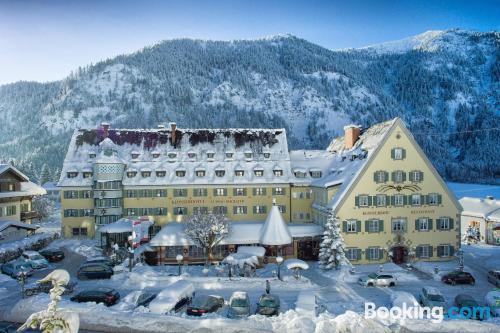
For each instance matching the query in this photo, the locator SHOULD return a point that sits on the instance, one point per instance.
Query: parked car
(94, 271)
(37, 287)
(431, 297)
(493, 300)
(205, 304)
(239, 305)
(108, 296)
(467, 301)
(173, 298)
(135, 299)
(400, 298)
(494, 278)
(15, 268)
(375, 279)
(8, 327)
(458, 277)
(36, 260)
(101, 260)
(268, 305)
(52, 254)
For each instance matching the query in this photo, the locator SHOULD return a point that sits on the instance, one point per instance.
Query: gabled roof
(479, 207)
(7, 167)
(5, 224)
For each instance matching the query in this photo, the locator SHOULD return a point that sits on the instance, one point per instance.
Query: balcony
(103, 211)
(29, 215)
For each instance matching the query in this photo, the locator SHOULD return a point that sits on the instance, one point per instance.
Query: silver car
(239, 305)
(375, 279)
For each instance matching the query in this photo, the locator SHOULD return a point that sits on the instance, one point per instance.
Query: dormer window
(180, 173)
(267, 155)
(258, 172)
(248, 155)
(135, 155)
(161, 173)
(131, 174)
(146, 174)
(191, 155)
(220, 173)
(210, 155)
(200, 173)
(155, 154)
(229, 155)
(278, 172)
(300, 174)
(172, 155)
(239, 173)
(315, 173)
(87, 175)
(91, 155)
(72, 174)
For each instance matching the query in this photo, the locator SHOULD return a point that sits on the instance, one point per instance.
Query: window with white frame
(200, 173)
(258, 172)
(398, 153)
(444, 223)
(399, 176)
(415, 200)
(363, 201)
(352, 254)
(220, 192)
(180, 210)
(239, 192)
(381, 200)
(220, 173)
(373, 225)
(278, 172)
(381, 177)
(259, 191)
(423, 224)
(416, 176)
(444, 250)
(239, 210)
(398, 224)
(352, 226)
(433, 199)
(399, 200)
(279, 191)
(239, 173)
(259, 209)
(373, 253)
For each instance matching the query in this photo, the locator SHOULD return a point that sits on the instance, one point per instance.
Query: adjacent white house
(482, 214)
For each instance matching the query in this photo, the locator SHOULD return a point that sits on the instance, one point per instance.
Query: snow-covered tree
(332, 253)
(206, 231)
(43, 206)
(45, 175)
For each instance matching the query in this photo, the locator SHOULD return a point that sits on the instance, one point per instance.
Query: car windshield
(372, 275)
(239, 303)
(199, 302)
(436, 298)
(267, 302)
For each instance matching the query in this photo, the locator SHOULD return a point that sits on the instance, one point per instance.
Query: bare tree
(206, 231)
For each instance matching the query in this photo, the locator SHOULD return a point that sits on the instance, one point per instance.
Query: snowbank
(26, 243)
(257, 251)
(296, 263)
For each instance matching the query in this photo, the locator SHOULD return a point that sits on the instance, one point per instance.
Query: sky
(44, 40)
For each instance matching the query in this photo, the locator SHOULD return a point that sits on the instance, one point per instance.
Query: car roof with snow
(168, 297)
(432, 290)
(31, 253)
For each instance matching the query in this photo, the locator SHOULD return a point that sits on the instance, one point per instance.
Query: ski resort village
(174, 229)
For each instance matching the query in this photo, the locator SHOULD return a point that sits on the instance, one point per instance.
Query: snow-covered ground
(474, 190)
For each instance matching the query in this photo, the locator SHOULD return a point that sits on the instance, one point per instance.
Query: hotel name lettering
(414, 212)
(205, 201)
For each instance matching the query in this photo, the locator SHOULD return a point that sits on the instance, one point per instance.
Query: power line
(461, 132)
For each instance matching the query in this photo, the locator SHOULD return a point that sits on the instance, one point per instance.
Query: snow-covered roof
(240, 232)
(5, 167)
(187, 141)
(120, 226)
(6, 224)
(274, 231)
(257, 251)
(296, 263)
(28, 189)
(479, 207)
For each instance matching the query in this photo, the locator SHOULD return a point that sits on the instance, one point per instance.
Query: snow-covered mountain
(439, 82)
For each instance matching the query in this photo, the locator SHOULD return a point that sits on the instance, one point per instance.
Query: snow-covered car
(494, 278)
(268, 305)
(52, 254)
(239, 305)
(108, 296)
(135, 299)
(35, 259)
(205, 304)
(173, 298)
(375, 279)
(401, 298)
(17, 267)
(37, 287)
(101, 260)
(431, 297)
(493, 301)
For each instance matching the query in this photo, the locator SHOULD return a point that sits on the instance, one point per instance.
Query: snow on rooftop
(120, 226)
(27, 189)
(5, 224)
(296, 263)
(479, 207)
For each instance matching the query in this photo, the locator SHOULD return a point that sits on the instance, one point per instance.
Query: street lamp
(230, 260)
(179, 259)
(130, 258)
(279, 261)
(460, 255)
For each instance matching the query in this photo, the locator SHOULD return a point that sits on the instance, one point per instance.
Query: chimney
(105, 127)
(351, 135)
(173, 127)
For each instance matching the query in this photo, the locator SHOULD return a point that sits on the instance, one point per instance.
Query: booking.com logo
(434, 314)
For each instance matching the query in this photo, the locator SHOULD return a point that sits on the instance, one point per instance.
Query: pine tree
(45, 175)
(332, 253)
